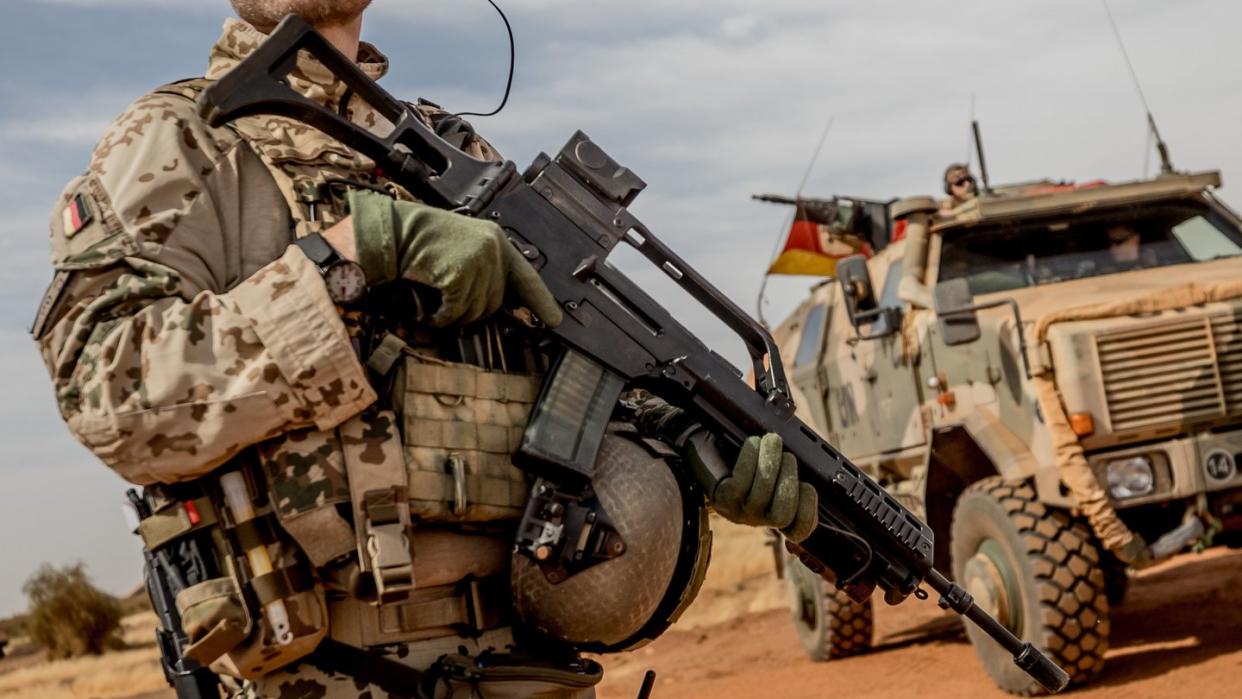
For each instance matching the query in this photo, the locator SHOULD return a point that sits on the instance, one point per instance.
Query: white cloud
(57, 120)
(122, 4)
(61, 131)
(739, 26)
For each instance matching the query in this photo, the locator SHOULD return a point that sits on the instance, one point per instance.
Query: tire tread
(849, 624)
(1071, 586)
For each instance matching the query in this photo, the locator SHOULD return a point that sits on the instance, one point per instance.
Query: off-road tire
(1054, 563)
(830, 625)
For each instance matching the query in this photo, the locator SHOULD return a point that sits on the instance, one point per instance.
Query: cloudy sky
(708, 100)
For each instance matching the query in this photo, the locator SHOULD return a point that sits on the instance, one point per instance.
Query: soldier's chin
(264, 15)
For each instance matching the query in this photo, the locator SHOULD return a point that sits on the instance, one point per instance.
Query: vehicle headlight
(1130, 477)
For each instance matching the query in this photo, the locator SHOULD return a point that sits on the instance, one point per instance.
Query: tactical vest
(435, 450)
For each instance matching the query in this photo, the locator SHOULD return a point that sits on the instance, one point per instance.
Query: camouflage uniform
(183, 332)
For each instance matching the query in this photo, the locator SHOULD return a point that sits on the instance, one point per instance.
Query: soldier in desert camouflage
(207, 315)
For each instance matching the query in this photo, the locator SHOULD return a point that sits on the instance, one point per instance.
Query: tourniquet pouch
(262, 609)
(461, 425)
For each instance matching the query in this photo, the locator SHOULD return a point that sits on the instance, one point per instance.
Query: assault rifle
(566, 214)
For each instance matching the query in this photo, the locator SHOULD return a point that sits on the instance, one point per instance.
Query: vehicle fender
(961, 454)
(1009, 455)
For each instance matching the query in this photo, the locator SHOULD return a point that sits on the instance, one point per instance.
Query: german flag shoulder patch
(76, 214)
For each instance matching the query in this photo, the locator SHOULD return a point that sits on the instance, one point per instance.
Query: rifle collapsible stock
(566, 214)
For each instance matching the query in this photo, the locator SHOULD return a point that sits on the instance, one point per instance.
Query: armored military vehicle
(1051, 376)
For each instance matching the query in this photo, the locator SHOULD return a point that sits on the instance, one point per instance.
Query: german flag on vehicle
(816, 241)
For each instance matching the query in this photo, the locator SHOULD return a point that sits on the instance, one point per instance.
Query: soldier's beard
(264, 15)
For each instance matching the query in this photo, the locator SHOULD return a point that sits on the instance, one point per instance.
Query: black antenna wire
(1153, 133)
(763, 285)
(970, 138)
(508, 82)
(1125, 55)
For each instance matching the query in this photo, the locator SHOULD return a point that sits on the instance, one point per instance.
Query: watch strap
(318, 250)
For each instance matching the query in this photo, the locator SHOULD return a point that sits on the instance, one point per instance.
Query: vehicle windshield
(1047, 251)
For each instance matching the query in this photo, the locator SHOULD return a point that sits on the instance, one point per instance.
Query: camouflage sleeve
(165, 358)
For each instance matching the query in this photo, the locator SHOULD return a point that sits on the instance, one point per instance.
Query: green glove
(763, 490)
(1136, 552)
(468, 260)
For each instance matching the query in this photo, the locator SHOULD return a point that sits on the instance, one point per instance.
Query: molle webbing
(461, 426)
(466, 608)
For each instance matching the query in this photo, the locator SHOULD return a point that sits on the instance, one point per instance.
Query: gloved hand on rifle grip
(468, 261)
(763, 489)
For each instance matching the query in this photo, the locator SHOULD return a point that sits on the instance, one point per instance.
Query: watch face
(346, 281)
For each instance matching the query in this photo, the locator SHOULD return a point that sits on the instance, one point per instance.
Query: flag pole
(763, 285)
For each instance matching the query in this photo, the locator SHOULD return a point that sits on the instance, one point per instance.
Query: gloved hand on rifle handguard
(468, 260)
(762, 489)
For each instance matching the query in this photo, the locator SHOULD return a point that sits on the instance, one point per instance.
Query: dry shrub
(136, 602)
(13, 626)
(68, 615)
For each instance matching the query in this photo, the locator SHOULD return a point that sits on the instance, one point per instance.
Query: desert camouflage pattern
(909, 408)
(1015, 431)
(165, 277)
(182, 328)
(299, 157)
(305, 473)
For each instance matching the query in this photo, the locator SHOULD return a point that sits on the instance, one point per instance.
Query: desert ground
(1179, 634)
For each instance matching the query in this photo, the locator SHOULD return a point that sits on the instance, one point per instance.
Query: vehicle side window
(812, 333)
(888, 297)
(1204, 241)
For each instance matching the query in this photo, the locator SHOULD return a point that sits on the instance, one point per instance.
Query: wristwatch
(345, 279)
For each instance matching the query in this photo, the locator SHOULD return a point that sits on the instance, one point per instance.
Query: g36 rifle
(566, 214)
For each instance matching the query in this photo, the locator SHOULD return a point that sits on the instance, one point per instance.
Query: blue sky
(708, 101)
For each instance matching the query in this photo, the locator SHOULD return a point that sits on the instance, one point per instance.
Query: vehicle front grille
(1175, 372)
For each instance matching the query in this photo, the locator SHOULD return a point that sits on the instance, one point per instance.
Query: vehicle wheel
(829, 624)
(1036, 570)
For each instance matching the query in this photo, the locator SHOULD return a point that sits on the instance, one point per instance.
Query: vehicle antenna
(970, 144)
(983, 164)
(780, 236)
(815, 156)
(1166, 167)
